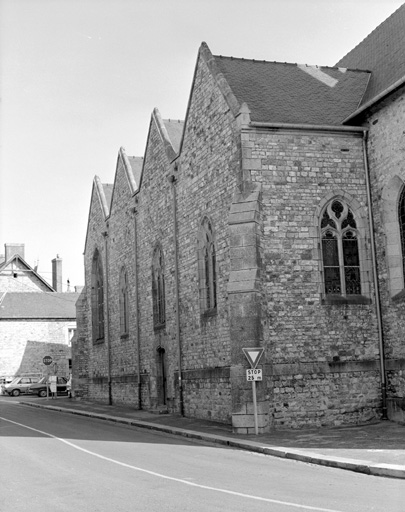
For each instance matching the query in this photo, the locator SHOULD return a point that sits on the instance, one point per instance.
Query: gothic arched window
(158, 288)
(401, 220)
(340, 250)
(97, 298)
(207, 267)
(123, 299)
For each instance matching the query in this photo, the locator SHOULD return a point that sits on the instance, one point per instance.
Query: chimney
(13, 250)
(57, 274)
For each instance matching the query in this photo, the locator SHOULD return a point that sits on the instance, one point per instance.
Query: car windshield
(14, 381)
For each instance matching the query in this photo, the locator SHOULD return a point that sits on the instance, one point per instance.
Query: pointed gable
(383, 53)
(100, 204)
(128, 172)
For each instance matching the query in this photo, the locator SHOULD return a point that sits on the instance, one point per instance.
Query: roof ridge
(173, 120)
(263, 61)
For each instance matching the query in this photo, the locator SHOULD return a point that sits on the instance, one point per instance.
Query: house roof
(42, 305)
(383, 53)
(293, 93)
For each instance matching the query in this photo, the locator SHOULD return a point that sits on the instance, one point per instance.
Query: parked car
(4, 380)
(20, 385)
(40, 388)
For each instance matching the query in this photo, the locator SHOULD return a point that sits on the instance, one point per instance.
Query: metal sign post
(255, 406)
(253, 355)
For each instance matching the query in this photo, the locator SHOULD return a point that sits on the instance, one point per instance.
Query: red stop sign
(47, 360)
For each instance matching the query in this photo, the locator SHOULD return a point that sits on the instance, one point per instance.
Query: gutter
(107, 329)
(308, 127)
(376, 286)
(377, 98)
(135, 210)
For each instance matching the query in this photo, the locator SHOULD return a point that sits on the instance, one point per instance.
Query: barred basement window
(340, 250)
(123, 299)
(207, 267)
(97, 298)
(158, 288)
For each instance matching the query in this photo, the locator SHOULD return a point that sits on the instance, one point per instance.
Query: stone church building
(273, 216)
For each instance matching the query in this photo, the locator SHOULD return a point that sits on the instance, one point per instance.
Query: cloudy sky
(80, 78)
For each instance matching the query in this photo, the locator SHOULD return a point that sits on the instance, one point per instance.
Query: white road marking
(173, 479)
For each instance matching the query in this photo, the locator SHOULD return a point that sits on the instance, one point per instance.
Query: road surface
(53, 461)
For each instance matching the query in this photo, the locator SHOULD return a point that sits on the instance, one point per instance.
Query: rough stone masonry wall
(208, 173)
(81, 349)
(322, 359)
(206, 178)
(386, 154)
(97, 358)
(123, 348)
(24, 344)
(155, 227)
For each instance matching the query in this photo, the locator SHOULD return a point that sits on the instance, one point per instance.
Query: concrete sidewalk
(375, 449)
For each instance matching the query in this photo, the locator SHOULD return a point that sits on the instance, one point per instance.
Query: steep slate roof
(136, 163)
(292, 93)
(383, 53)
(108, 190)
(175, 131)
(43, 305)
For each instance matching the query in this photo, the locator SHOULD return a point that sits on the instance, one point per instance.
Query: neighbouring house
(273, 217)
(36, 319)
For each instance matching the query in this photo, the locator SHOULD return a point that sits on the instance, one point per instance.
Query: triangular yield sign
(253, 355)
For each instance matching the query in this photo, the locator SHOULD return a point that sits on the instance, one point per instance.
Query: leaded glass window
(123, 299)
(207, 267)
(97, 298)
(340, 250)
(158, 288)
(401, 219)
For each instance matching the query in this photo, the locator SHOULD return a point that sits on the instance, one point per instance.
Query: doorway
(161, 376)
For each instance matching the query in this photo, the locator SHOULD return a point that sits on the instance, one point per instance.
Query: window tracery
(158, 288)
(123, 302)
(207, 267)
(340, 250)
(97, 298)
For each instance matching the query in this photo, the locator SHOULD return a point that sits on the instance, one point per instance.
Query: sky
(80, 78)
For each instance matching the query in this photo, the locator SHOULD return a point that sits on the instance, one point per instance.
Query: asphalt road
(51, 462)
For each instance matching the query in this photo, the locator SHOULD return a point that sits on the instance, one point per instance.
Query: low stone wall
(207, 394)
(326, 399)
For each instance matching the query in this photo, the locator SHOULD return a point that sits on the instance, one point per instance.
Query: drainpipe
(135, 211)
(376, 286)
(172, 180)
(107, 330)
